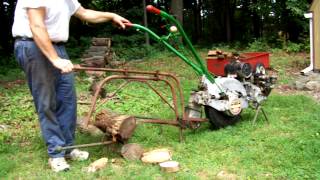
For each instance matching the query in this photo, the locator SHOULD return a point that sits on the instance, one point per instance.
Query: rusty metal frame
(181, 120)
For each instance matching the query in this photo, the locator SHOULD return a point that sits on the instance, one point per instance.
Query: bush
(259, 45)
(292, 47)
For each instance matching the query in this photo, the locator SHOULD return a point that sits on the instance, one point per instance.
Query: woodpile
(100, 54)
(219, 54)
(120, 127)
(96, 55)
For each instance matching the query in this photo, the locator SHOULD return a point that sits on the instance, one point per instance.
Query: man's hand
(118, 20)
(64, 65)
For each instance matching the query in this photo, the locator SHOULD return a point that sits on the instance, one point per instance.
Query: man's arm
(99, 17)
(41, 37)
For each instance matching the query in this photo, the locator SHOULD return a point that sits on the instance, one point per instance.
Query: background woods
(274, 22)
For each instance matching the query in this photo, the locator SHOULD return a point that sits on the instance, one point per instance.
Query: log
(101, 42)
(95, 61)
(90, 53)
(120, 127)
(97, 49)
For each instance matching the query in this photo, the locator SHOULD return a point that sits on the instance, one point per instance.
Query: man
(41, 27)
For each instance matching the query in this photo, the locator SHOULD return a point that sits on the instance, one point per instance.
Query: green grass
(286, 148)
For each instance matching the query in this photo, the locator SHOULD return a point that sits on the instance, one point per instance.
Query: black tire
(219, 119)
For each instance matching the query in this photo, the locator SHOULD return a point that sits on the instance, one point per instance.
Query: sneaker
(78, 155)
(58, 164)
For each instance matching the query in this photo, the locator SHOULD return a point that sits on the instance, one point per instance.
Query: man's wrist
(55, 59)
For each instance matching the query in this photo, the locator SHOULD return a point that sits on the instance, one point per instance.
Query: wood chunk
(97, 49)
(132, 151)
(98, 165)
(95, 61)
(121, 127)
(90, 54)
(170, 166)
(156, 156)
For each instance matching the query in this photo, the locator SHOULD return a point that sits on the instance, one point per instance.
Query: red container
(216, 65)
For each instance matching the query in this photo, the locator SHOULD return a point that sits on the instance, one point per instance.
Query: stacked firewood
(98, 54)
(219, 54)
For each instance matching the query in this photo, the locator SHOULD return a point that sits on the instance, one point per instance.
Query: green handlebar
(169, 17)
(199, 67)
(159, 39)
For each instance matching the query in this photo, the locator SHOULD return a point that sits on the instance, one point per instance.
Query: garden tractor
(241, 84)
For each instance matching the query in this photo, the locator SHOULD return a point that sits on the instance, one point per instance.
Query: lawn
(288, 147)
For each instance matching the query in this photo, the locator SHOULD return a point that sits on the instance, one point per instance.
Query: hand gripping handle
(128, 24)
(153, 9)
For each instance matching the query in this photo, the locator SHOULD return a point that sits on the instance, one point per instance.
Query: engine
(240, 87)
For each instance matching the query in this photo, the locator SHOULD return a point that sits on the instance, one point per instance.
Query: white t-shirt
(57, 18)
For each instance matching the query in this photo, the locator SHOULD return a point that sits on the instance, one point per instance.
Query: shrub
(259, 45)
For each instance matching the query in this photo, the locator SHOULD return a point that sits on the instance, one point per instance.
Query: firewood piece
(101, 42)
(121, 127)
(156, 156)
(97, 49)
(98, 165)
(212, 53)
(91, 53)
(95, 61)
(170, 166)
(132, 151)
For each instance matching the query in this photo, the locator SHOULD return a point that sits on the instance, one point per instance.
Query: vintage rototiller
(241, 83)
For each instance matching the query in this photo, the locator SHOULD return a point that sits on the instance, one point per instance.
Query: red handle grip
(128, 24)
(153, 9)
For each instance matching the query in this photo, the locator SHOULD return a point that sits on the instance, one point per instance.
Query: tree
(6, 15)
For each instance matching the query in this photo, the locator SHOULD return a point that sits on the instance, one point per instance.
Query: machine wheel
(260, 69)
(219, 119)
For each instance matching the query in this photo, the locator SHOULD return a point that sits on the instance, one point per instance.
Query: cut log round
(132, 151)
(170, 166)
(121, 127)
(156, 156)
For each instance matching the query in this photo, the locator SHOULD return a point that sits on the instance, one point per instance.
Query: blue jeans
(53, 94)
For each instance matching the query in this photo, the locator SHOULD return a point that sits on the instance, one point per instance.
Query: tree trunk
(197, 21)
(256, 22)
(227, 20)
(145, 20)
(177, 9)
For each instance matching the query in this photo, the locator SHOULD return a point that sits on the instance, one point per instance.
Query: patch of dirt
(287, 89)
(11, 84)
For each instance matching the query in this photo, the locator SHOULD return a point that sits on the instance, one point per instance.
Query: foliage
(294, 47)
(258, 45)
